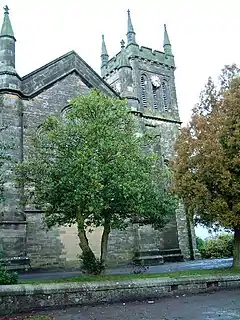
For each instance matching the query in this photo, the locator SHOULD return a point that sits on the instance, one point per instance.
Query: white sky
(204, 34)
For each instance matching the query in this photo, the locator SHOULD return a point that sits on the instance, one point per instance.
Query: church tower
(13, 226)
(146, 78)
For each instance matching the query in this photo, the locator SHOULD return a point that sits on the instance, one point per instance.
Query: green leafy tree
(207, 165)
(89, 168)
(200, 243)
(220, 246)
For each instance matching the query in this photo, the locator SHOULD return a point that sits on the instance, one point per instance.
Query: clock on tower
(156, 82)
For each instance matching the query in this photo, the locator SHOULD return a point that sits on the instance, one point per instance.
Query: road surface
(222, 305)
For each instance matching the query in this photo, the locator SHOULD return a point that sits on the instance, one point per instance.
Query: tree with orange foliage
(206, 169)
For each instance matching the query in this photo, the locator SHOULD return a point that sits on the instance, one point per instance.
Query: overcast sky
(204, 34)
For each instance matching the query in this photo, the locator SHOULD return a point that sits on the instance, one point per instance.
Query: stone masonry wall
(63, 250)
(25, 298)
(121, 246)
(51, 102)
(183, 235)
(47, 248)
(70, 242)
(44, 247)
(13, 239)
(11, 121)
(143, 67)
(164, 123)
(59, 246)
(12, 218)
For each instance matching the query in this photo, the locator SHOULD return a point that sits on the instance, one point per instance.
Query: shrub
(90, 264)
(7, 277)
(219, 247)
(200, 243)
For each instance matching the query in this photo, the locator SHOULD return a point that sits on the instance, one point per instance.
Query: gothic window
(165, 95)
(144, 90)
(65, 111)
(155, 102)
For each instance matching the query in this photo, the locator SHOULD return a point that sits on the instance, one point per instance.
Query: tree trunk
(104, 243)
(83, 240)
(236, 249)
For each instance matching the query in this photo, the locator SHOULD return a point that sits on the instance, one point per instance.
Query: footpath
(167, 267)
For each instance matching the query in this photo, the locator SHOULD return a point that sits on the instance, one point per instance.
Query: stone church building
(142, 75)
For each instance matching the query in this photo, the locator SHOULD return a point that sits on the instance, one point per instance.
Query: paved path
(177, 266)
(223, 305)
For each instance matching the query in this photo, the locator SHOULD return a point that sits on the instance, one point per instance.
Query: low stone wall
(20, 298)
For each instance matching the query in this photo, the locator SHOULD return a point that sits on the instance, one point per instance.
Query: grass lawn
(89, 278)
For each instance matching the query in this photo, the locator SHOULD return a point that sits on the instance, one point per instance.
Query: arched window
(144, 90)
(155, 102)
(165, 95)
(66, 110)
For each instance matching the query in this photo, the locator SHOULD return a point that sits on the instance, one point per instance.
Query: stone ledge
(15, 263)
(27, 297)
(12, 222)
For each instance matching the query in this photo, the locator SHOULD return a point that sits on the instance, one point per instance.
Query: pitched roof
(44, 77)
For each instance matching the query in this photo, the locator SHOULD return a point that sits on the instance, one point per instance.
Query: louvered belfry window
(144, 90)
(165, 95)
(155, 102)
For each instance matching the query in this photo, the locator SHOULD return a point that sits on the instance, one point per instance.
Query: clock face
(156, 81)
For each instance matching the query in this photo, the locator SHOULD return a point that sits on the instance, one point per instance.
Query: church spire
(104, 54)
(123, 60)
(166, 43)
(7, 29)
(7, 45)
(9, 78)
(130, 33)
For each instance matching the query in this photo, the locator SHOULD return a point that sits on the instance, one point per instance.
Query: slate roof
(46, 76)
